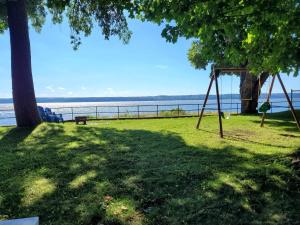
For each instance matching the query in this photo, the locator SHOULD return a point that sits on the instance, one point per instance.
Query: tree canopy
(81, 15)
(261, 34)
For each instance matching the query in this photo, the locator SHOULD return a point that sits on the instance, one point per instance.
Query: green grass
(160, 114)
(160, 171)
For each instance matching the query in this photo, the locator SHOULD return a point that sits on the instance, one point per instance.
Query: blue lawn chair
(56, 117)
(42, 113)
(48, 116)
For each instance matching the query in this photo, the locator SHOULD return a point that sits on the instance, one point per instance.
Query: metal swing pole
(268, 100)
(289, 101)
(205, 100)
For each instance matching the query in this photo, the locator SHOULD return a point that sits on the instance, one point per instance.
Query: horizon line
(140, 96)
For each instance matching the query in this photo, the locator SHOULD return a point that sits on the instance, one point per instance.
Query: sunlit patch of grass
(4, 217)
(36, 188)
(73, 145)
(93, 159)
(231, 181)
(83, 179)
(123, 211)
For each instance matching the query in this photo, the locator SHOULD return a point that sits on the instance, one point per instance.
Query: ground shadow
(234, 135)
(281, 120)
(92, 175)
(15, 135)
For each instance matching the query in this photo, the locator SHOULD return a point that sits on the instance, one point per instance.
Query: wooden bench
(82, 119)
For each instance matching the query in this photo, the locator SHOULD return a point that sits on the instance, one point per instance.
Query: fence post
(138, 111)
(178, 113)
(96, 112)
(198, 110)
(72, 113)
(292, 96)
(271, 107)
(118, 112)
(237, 108)
(156, 110)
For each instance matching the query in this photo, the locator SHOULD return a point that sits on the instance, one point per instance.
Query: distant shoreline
(141, 98)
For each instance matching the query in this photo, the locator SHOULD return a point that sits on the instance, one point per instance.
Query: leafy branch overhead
(81, 15)
(262, 34)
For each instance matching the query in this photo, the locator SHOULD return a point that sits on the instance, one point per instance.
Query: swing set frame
(215, 73)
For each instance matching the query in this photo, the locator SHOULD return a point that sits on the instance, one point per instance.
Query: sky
(147, 66)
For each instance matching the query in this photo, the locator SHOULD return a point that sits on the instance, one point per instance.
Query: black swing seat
(223, 115)
(265, 107)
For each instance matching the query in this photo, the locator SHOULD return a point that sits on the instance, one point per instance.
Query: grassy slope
(152, 172)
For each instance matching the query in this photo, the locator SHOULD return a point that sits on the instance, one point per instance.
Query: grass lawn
(152, 172)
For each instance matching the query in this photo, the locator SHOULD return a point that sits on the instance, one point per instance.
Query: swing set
(264, 108)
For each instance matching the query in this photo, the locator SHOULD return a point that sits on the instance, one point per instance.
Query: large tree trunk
(249, 91)
(22, 83)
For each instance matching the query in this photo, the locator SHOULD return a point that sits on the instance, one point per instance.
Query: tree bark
(249, 91)
(22, 82)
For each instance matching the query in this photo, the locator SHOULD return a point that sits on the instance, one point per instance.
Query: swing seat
(265, 107)
(223, 115)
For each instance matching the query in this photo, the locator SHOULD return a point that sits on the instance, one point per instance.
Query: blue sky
(148, 65)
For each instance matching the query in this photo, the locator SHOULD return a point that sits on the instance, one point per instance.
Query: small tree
(82, 15)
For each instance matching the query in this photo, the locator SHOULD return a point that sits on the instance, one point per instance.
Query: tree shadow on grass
(282, 120)
(239, 135)
(92, 175)
(15, 135)
(285, 125)
(18, 158)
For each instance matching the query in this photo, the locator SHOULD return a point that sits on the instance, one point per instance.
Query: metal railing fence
(147, 111)
(293, 93)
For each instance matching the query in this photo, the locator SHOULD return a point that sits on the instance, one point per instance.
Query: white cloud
(70, 93)
(83, 88)
(61, 88)
(50, 88)
(161, 67)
